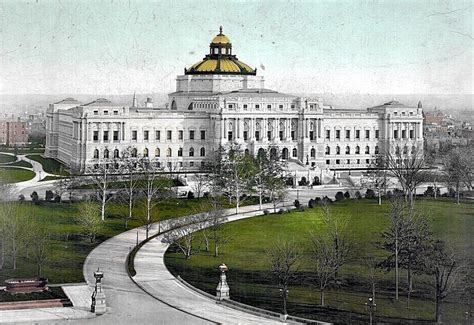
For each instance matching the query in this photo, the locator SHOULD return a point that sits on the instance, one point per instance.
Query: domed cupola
(220, 59)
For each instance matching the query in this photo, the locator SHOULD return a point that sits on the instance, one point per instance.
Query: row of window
(348, 134)
(257, 106)
(169, 164)
(348, 150)
(146, 135)
(348, 161)
(106, 112)
(134, 153)
(403, 134)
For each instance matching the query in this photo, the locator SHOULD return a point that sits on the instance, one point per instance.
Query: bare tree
(443, 266)
(458, 169)
(131, 173)
(88, 219)
(284, 257)
(215, 223)
(407, 168)
(101, 175)
(199, 184)
(40, 245)
(372, 273)
(182, 235)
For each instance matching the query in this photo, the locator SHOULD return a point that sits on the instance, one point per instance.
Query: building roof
(255, 92)
(390, 104)
(220, 60)
(100, 102)
(68, 100)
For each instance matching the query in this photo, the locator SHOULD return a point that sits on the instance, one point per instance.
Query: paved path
(153, 276)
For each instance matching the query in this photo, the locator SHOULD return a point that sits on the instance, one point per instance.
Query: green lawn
(50, 165)
(15, 175)
(249, 277)
(67, 249)
(6, 158)
(21, 163)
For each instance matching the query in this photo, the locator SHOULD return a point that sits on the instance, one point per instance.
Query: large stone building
(219, 100)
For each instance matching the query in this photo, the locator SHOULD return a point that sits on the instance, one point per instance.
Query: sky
(121, 47)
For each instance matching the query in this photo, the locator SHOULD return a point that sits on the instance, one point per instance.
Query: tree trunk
(321, 295)
(216, 250)
(284, 304)
(396, 269)
(206, 243)
(437, 307)
(260, 201)
(14, 253)
(457, 194)
(102, 208)
(2, 256)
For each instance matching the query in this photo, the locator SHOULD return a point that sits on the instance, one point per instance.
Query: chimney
(149, 103)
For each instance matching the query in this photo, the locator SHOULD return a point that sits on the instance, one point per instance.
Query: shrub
(21, 198)
(205, 195)
(190, 195)
(340, 196)
(266, 212)
(357, 195)
(281, 211)
(311, 203)
(347, 195)
(326, 200)
(57, 198)
(297, 204)
(49, 195)
(301, 208)
(370, 194)
(34, 197)
(430, 191)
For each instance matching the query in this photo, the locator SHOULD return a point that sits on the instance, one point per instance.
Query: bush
(370, 194)
(266, 212)
(397, 192)
(301, 208)
(357, 195)
(34, 197)
(347, 195)
(57, 198)
(340, 196)
(21, 198)
(281, 211)
(190, 195)
(297, 204)
(326, 200)
(49, 195)
(311, 203)
(430, 191)
(205, 195)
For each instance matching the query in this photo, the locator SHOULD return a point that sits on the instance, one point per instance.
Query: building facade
(13, 133)
(219, 100)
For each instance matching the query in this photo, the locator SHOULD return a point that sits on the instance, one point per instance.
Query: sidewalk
(153, 277)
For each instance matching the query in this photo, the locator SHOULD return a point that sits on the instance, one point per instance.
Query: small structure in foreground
(222, 290)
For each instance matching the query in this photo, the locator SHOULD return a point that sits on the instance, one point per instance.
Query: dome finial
(220, 30)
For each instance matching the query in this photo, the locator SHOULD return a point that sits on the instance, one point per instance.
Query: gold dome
(220, 59)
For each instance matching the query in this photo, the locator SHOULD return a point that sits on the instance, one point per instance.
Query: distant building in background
(13, 133)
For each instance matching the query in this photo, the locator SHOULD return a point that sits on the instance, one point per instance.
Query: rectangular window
(338, 134)
(395, 134)
(180, 135)
(115, 112)
(245, 135)
(106, 112)
(157, 135)
(367, 134)
(281, 106)
(95, 136)
(116, 135)
(328, 134)
(203, 135)
(191, 164)
(168, 135)
(96, 112)
(281, 135)
(257, 106)
(404, 134)
(134, 135)
(229, 136)
(191, 134)
(328, 161)
(292, 106)
(146, 134)
(106, 136)
(412, 134)
(338, 161)
(245, 106)
(357, 134)
(348, 134)
(269, 106)
(269, 135)
(257, 135)
(376, 134)
(293, 135)
(231, 106)
(311, 135)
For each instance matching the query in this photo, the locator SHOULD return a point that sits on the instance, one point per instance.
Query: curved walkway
(153, 277)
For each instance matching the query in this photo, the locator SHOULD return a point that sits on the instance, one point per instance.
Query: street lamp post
(371, 306)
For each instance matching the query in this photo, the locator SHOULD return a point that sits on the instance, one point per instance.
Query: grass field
(49, 165)
(15, 175)
(251, 283)
(6, 158)
(67, 250)
(21, 163)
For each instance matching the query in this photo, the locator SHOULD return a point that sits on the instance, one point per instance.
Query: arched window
(106, 154)
(96, 153)
(174, 107)
(246, 152)
(180, 152)
(397, 150)
(348, 150)
(203, 152)
(338, 150)
(413, 150)
(313, 153)
(367, 150)
(328, 150)
(191, 152)
(145, 153)
(190, 107)
(295, 152)
(357, 151)
(377, 150)
(405, 150)
(261, 153)
(168, 152)
(157, 152)
(116, 153)
(134, 153)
